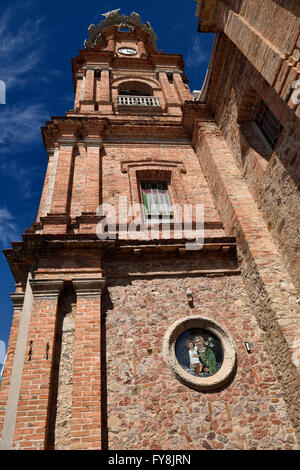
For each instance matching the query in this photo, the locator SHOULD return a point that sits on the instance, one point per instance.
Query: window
(156, 200)
(269, 126)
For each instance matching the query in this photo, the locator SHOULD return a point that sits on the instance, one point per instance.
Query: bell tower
(112, 289)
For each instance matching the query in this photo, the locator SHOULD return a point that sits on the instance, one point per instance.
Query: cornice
(194, 111)
(167, 60)
(46, 287)
(126, 164)
(18, 300)
(88, 287)
(65, 131)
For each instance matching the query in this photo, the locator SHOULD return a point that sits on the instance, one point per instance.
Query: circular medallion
(127, 51)
(200, 353)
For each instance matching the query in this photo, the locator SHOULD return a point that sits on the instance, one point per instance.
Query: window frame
(154, 218)
(267, 115)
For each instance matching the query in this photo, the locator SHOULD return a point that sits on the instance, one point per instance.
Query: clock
(127, 51)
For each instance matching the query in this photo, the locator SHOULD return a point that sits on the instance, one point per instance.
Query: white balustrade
(146, 101)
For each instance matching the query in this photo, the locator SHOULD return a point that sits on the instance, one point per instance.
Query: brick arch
(136, 78)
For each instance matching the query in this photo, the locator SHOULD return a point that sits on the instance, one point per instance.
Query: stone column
(79, 177)
(92, 180)
(60, 200)
(104, 93)
(184, 93)
(170, 95)
(86, 401)
(79, 84)
(88, 103)
(44, 205)
(30, 433)
(11, 380)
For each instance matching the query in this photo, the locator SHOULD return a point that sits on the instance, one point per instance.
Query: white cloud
(8, 227)
(11, 168)
(197, 53)
(20, 50)
(21, 55)
(20, 125)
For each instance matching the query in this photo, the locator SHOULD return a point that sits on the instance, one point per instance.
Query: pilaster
(183, 92)
(88, 103)
(170, 95)
(35, 391)
(86, 401)
(79, 87)
(63, 177)
(104, 93)
(92, 181)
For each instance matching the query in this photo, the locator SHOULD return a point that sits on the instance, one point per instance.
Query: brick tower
(104, 322)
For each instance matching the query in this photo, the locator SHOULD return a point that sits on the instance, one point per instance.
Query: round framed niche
(200, 353)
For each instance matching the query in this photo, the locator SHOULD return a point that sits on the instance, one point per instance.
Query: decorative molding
(18, 300)
(46, 287)
(93, 142)
(113, 18)
(66, 142)
(152, 162)
(168, 70)
(123, 140)
(227, 370)
(89, 287)
(56, 219)
(167, 168)
(152, 82)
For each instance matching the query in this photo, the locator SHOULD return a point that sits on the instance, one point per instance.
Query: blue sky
(37, 41)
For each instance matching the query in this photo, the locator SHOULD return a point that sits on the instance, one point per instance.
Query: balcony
(145, 103)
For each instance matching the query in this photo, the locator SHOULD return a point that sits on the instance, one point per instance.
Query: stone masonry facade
(85, 366)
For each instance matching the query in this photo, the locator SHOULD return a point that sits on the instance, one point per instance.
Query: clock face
(127, 51)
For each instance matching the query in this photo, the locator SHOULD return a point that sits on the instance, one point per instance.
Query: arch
(137, 78)
(252, 137)
(135, 88)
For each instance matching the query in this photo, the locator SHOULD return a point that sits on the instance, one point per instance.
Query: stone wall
(273, 180)
(147, 407)
(62, 426)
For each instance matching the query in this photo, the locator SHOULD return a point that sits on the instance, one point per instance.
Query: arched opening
(259, 126)
(135, 88)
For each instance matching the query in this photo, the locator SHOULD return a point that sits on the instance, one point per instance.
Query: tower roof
(114, 18)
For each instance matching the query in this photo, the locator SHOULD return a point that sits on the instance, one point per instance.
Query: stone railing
(145, 101)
